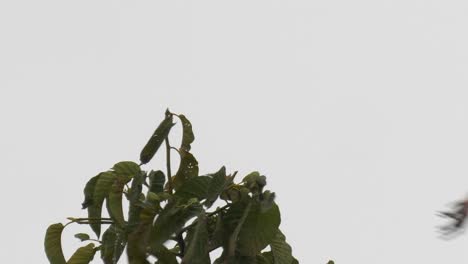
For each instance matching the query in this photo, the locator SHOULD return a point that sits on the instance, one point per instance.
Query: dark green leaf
(83, 255)
(221, 259)
(236, 193)
(281, 250)
(251, 177)
(82, 236)
(234, 237)
(236, 260)
(134, 197)
(113, 244)
(266, 258)
(53, 244)
(101, 190)
(128, 169)
(156, 139)
(331, 262)
(255, 182)
(157, 180)
(165, 256)
(188, 168)
(258, 230)
(114, 200)
(218, 236)
(197, 246)
(139, 223)
(137, 243)
(267, 200)
(188, 136)
(89, 192)
(171, 219)
(217, 185)
(195, 187)
(151, 197)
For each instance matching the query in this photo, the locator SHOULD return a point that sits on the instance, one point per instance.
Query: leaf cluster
(171, 219)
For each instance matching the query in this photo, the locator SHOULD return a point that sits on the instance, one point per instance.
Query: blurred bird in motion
(458, 216)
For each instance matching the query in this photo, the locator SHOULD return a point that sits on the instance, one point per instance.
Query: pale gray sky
(355, 110)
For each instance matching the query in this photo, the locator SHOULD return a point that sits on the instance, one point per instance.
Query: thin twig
(207, 215)
(168, 164)
(235, 234)
(218, 210)
(94, 222)
(90, 218)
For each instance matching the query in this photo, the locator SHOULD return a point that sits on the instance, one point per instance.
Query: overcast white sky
(355, 110)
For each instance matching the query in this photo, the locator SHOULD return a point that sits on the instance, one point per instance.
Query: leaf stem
(168, 164)
(93, 222)
(91, 218)
(235, 234)
(218, 210)
(175, 149)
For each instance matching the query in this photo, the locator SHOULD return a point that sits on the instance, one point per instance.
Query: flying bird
(458, 216)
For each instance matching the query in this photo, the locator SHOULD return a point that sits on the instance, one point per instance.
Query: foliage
(170, 219)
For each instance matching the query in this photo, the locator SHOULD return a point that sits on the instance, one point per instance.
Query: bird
(459, 215)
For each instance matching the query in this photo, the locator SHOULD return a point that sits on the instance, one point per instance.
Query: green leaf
(217, 185)
(258, 230)
(203, 186)
(266, 258)
(101, 190)
(188, 168)
(195, 187)
(171, 219)
(156, 139)
(139, 223)
(236, 193)
(187, 137)
(135, 192)
(251, 177)
(89, 192)
(113, 244)
(236, 260)
(138, 239)
(281, 250)
(233, 239)
(218, 236)
(83, 255)
(267, 200)
(152, 197)
(331, 262)
(114, 200)
(255, 182)
(128, 169)
(197, 247)
(165, 256)
(53, 244)
(157, 180)
(262, 260)
(82, 236)
(221, 259)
